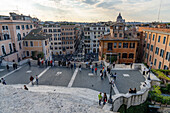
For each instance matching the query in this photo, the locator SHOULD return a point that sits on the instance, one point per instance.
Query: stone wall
(138, 98)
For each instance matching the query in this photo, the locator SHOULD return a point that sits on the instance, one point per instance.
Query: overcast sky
(89, 10)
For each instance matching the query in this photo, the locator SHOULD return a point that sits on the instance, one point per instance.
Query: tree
(40, 55)
(103, 55)
(113, 59)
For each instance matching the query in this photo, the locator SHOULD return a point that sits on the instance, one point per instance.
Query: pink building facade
(12, 30)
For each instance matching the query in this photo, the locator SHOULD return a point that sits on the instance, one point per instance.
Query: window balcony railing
(5, 39)
(12, 52)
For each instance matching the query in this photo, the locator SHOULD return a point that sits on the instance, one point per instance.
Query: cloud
(137, 1)
(89, 10)
(90, 2)
(109, 5)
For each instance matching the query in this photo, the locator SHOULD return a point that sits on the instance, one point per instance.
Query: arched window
(120, 35)
(124, 55)
(131, 55)
(115, 35)
(3, 50)
(19, 36)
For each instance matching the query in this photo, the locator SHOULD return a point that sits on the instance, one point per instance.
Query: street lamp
(110, 97)
(110, 57)
(150, 71)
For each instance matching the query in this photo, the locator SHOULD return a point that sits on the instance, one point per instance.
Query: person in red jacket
(51, 62)
(96, 70)
(42, 62)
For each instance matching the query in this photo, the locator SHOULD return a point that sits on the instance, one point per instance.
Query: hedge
(160, 98)
(160, 74)
(155, 95)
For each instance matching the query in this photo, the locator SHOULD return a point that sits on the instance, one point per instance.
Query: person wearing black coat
(7, 67)
(104, 99)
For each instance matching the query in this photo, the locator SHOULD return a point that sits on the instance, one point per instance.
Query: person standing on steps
(36, 77)
(31, 80)
(100, 98)
(25, 87)
(104, 99)
(3, 81)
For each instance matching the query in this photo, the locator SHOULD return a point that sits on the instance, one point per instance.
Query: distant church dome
(119, 16)
(120, 19)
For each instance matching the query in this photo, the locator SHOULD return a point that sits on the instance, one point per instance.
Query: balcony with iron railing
(8, 54)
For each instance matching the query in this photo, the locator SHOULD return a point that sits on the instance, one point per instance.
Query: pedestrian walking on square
(51, 63)
(100, 98)
(36, 77)
(16, 65)
(144, 71)
(80, 67)
(101, 64)
(112, 82)
(71, 66)
(39, 62)
(131, 64)
(96, 64)
(31, 80)
(46, 63)
(101, 74)
(104, 99)
(29, 63)
(66, 64)
(42, 62)
(7, 67)
(115, 75)
(86, 64)
(108, 70)
(13, 65)
(104, 73)
(91, 66)
(92, 70)
(111, 75)
(96, 70)
(59, 62)
(113, 64)
(74, 65)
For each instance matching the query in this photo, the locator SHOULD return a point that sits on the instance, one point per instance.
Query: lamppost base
(110, 101)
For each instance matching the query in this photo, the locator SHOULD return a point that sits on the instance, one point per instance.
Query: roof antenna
(159, 10)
